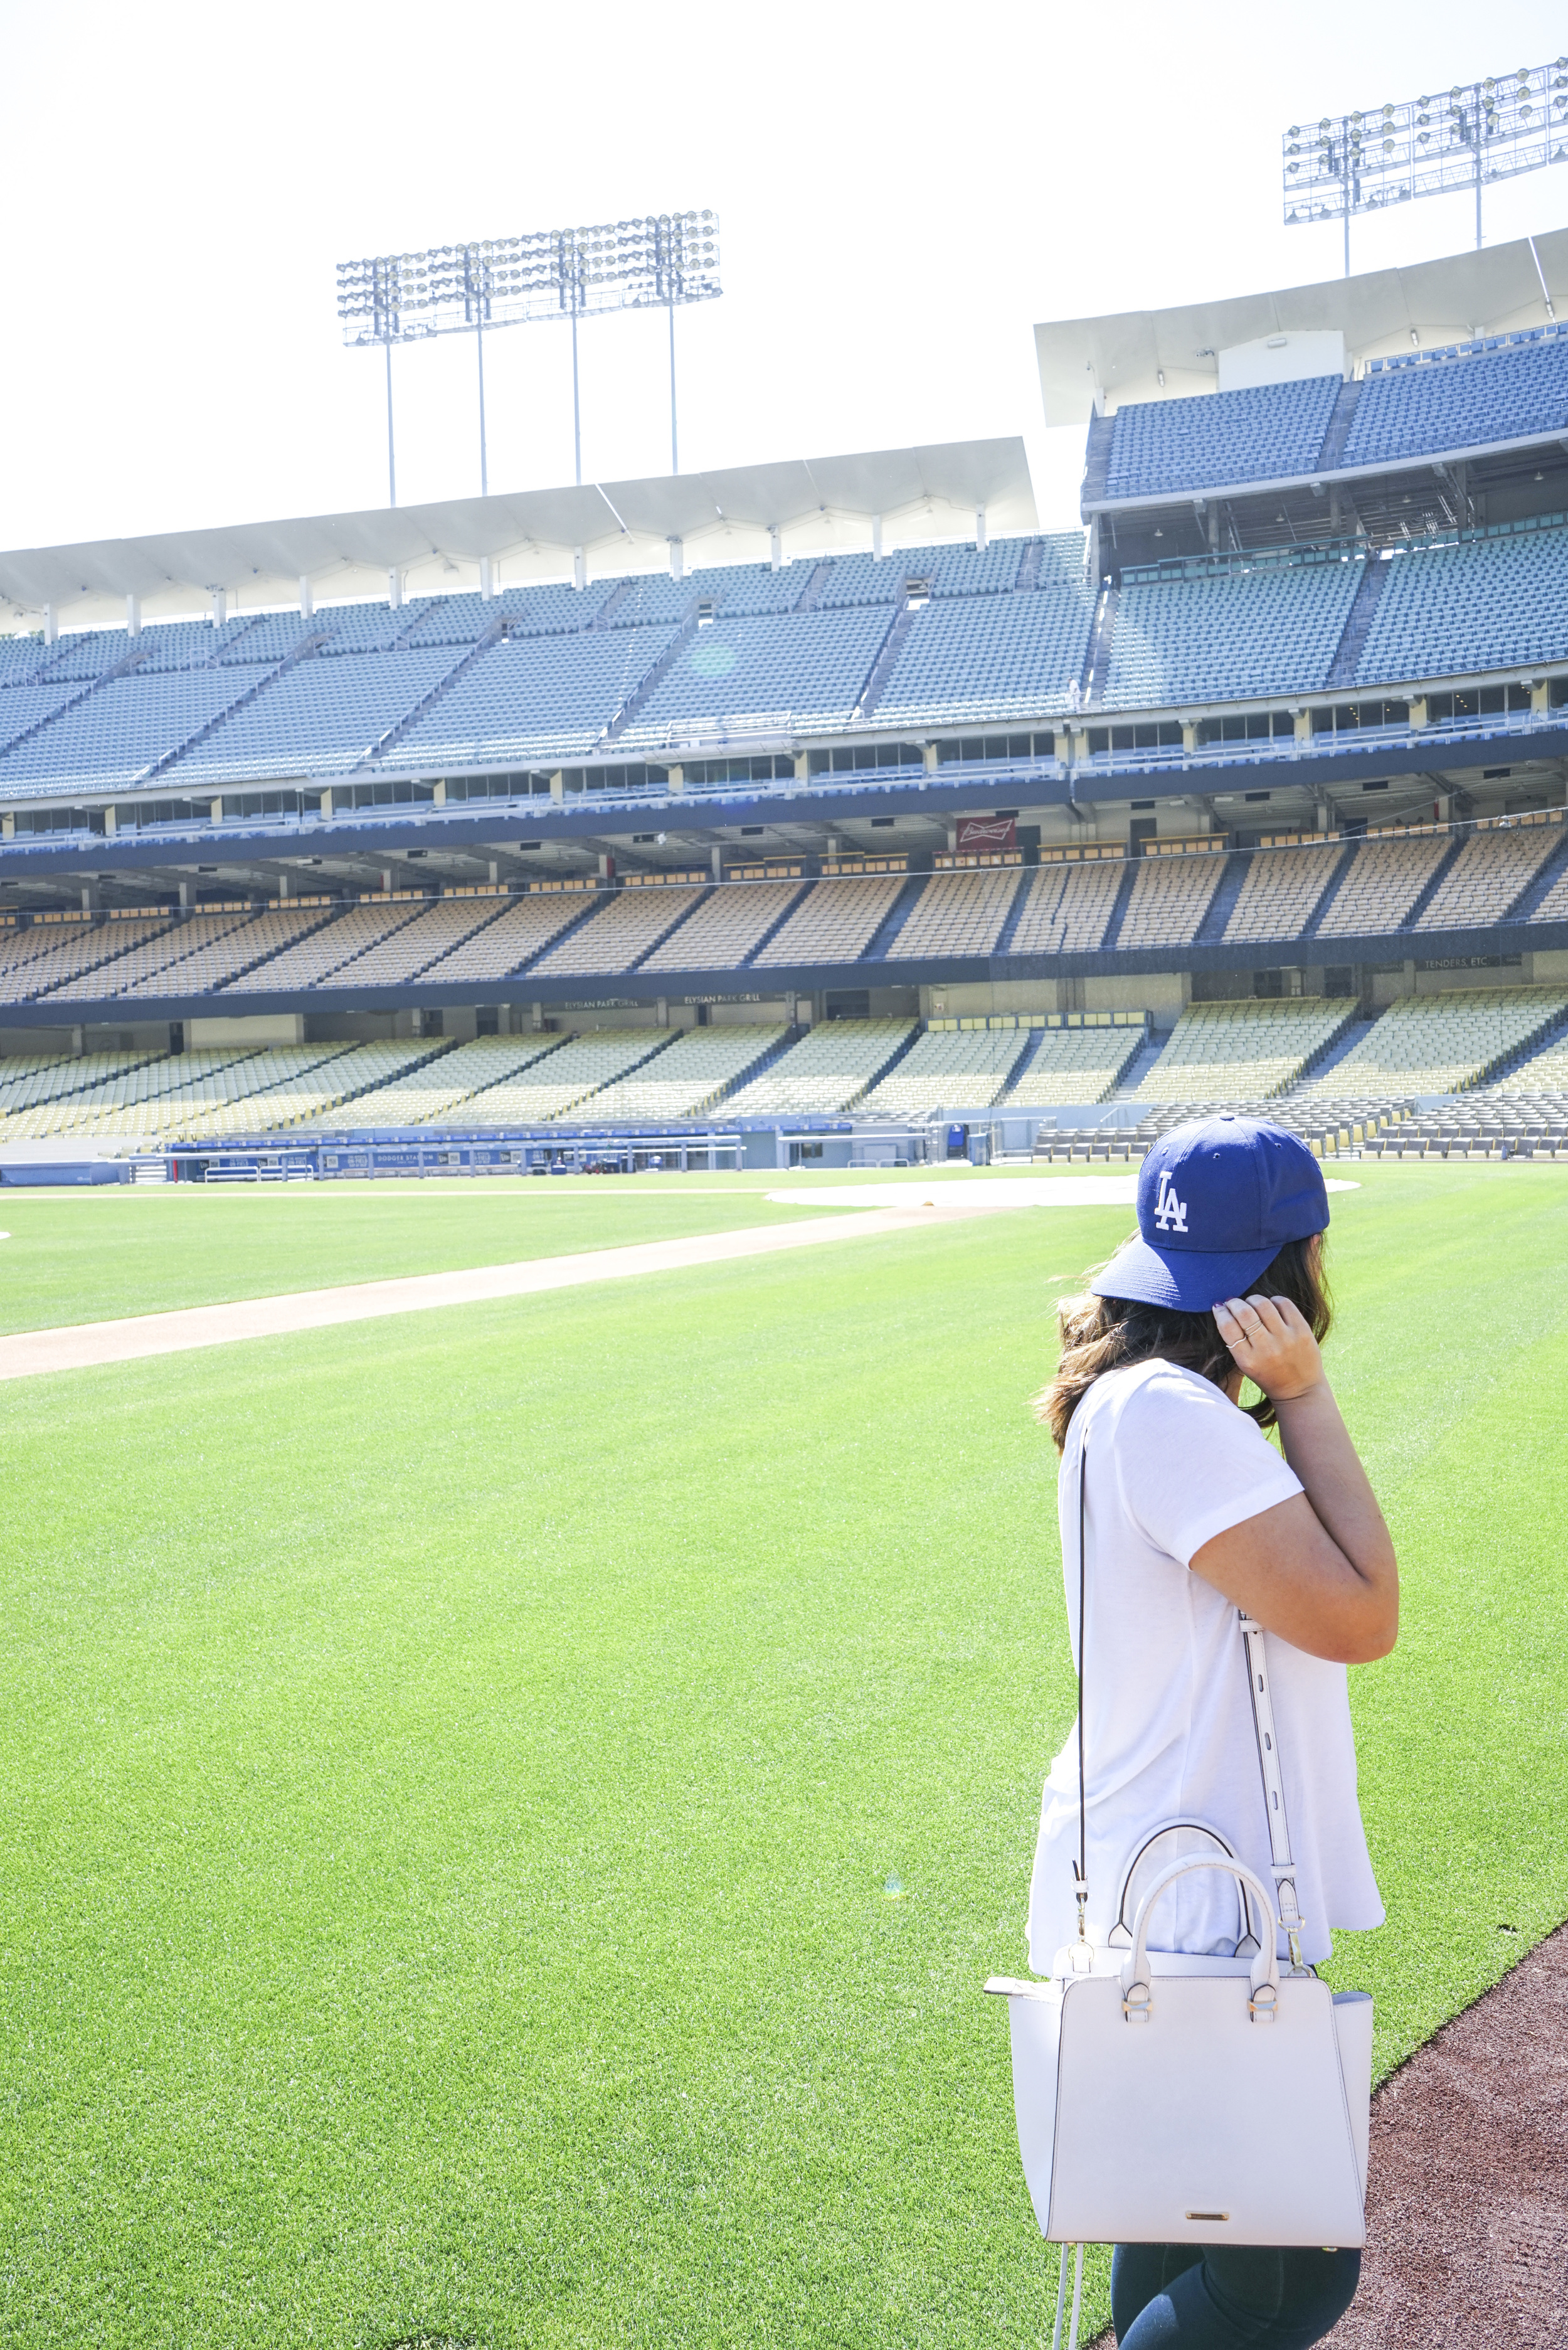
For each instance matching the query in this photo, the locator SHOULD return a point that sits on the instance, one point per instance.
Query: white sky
(902, 195)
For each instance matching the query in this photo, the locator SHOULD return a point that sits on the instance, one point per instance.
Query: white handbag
(1163, 2099)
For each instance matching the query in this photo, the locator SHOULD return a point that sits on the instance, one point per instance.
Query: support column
(306, 598)
(109, 826)
(876, 538)
(579, 567)
(716, 856)
(1301, 725)
(133, 616)
(220, 596)
(487, 578)
(982, 536)
(327, 801)
(51, 624)
(1540, 697)
(676, 778)
(775, 548)
(557, 785)
(677, 559)
(395, 589)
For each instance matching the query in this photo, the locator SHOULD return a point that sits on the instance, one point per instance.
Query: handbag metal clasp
(1262, 2004)
(1137, 2001)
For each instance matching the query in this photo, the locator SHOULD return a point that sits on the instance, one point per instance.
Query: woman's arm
(1318, 1569)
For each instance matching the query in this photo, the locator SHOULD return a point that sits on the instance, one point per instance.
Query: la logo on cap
(1169, 1212)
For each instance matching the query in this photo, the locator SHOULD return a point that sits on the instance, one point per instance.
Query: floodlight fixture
(660, 261)
(1470, 135)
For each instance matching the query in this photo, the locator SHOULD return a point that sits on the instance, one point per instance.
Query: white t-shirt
(1168, 1715)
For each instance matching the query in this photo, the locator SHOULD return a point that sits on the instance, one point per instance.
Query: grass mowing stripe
(505, 1821)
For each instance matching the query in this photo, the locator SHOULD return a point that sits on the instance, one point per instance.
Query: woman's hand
(1272, 1345)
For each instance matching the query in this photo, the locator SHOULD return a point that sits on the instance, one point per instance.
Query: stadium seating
(1280, 888)
(1169, 898)
(631, 922)
(154, 957)
(1066, 907)
(30, 1080)
(1073, 1064)
(726, 928)
(513, 938)
(1488, 873)
(1554, 904)
(321, 717)
(693, 1075)
(988, 658)
(1517, 393)
(208, 952)
(533, 697)
(317, 957)
(156, 1096)
(34, 963)
(829, 1069)
(303, 1084)
(23, 707)
(957, 914)
(1545, 1072)
(1243, 1051)
(125, 727)
(449, 1086)
(566, 1080)
(803, 672)
(1496, 602)
(965, 1068)
(1209, 440)
(1383, 882)
(399, 955)
(835, 923)
(1271, 628)
(1443, 1043)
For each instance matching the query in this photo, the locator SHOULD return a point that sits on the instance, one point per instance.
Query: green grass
(92, 1256)
(507, 1813)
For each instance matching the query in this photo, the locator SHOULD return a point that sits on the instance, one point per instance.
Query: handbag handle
(1137, 1985)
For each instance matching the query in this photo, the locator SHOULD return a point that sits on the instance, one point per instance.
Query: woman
(1189, 1514)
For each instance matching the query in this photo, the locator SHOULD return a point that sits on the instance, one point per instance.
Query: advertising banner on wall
(977, 834)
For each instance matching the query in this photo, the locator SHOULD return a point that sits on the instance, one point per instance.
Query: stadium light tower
(656, 263)
(1470, 135)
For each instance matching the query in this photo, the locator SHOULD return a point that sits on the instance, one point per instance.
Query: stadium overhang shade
(827, 504)
(1086, 363)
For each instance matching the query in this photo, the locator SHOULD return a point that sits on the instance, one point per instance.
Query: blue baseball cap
(1217, 1201)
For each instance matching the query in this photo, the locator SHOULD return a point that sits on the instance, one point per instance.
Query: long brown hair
(1106, 1334)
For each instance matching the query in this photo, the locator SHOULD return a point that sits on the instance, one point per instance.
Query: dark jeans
(1229, 2296)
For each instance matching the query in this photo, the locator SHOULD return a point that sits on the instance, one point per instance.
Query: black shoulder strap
(1080, 1873)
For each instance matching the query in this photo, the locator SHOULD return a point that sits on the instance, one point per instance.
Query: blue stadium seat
(1488, 603)
(533, 697)
(1272, 628)
(979, 658)
(803, 670)
(319, 718)
(1266, 433)
(111, 736)
(1517, 393)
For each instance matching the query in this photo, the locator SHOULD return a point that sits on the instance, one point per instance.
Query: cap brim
(1188, 1281)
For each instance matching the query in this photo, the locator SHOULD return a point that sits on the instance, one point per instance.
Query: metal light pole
(391, 460)
(659, 260)
(1382, 156)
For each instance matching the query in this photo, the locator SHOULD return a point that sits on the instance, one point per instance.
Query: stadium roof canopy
(818, 504)
(1085, 362)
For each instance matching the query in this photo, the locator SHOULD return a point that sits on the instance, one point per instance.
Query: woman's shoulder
(1159, 1384)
